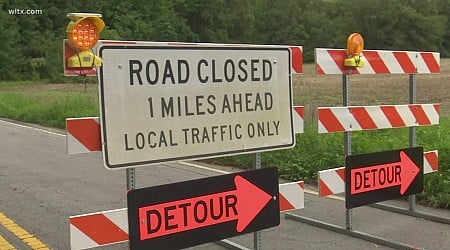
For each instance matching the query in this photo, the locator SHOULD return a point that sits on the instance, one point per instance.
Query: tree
(444, 10)
(395, 24)
(11, 58)
(32, 44)
(205, 18)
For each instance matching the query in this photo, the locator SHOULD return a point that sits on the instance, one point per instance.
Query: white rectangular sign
(170, 103)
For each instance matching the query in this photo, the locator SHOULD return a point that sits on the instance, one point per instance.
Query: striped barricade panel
(430, 161)
(296, 59)
(331, 61)
(99, 229)
(298, 119)
(83, 135)
(111, 227)
(332, 181)
(356, 118)
(292, 196)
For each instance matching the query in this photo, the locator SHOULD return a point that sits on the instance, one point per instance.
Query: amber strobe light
(83, 33)
(355, 46)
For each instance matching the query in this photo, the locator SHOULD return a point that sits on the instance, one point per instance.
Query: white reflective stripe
(322, 128)
(294, 193)
(79, 240)
(119, 217)
(333, 181)
(391, 62)
(406, 114)
(346, 118)
(431, 113)
(74, 146)
(427, 168)
(367, 69)
(420, 64)
(298, 122)
(326, 62)
(378, 117)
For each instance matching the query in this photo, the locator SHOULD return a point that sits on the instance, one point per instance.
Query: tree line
(31, 45)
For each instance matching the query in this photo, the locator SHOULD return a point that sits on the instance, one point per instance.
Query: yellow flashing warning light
(355, 46)
(83, 33)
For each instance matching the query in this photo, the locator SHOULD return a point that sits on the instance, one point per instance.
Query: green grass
(49, 108)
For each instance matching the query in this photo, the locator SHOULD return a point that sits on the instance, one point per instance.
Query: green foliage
(311, 154)
(32, 50)
(437, 184)
(48, 108)
(10, 57)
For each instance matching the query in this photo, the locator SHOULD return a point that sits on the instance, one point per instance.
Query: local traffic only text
(199, 135)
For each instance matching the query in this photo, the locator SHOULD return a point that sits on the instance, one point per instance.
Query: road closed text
(181, 71)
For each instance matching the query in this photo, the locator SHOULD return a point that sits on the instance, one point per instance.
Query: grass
(48, 107)
(51, 104)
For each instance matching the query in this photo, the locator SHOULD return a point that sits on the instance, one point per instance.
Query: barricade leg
(353, 233)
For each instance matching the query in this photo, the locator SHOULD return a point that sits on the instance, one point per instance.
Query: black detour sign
(376, 177)
(193, 212)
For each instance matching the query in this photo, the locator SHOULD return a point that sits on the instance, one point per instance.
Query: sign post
(193, 212)
(347, 139)
(412, 131)
(230, 101)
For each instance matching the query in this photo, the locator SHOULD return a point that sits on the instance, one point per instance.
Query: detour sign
(189, 213)
(382, 176)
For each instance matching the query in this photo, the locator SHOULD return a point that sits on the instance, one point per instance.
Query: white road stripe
(32, 128)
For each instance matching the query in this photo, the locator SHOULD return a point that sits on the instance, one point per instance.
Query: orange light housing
(83, 32)
(355, 44)
(84, 35)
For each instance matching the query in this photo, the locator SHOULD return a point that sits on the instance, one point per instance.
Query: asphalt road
(41, 187)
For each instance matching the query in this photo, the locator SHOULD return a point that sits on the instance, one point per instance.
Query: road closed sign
(171, 103)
